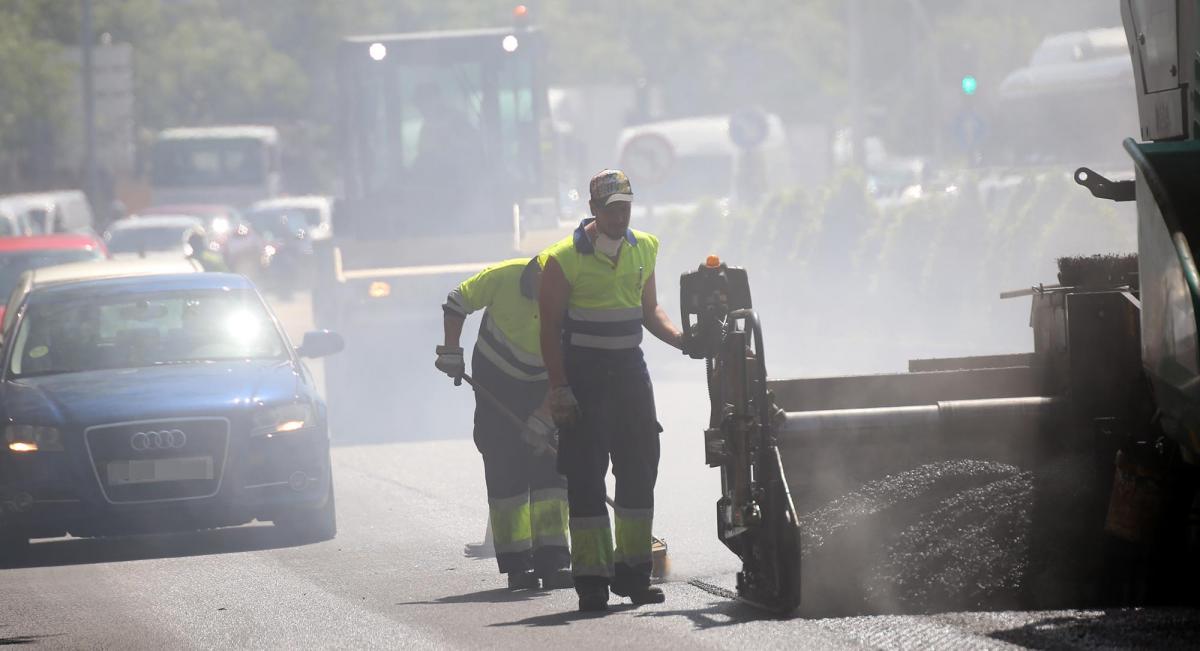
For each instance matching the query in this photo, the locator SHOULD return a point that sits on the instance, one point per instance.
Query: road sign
(748, 128)
(647, 159)
(113, 92)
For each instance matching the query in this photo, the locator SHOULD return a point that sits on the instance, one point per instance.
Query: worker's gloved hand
(564, 408)
(540, 433)
(450, 361)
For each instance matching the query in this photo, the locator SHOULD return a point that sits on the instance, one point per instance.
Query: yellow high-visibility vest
(510, 333)
(604, 309)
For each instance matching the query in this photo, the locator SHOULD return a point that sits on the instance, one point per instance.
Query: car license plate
(141, 471)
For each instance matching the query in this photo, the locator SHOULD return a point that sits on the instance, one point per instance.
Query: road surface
(398, 576)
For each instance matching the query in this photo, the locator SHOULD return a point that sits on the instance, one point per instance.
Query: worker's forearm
(452, 327)
(552, 353)
(660, 325)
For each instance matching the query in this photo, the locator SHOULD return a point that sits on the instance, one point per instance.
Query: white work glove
(564, 408)
(450, 361)
(540, 433)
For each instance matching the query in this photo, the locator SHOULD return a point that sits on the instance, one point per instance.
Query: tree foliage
(33, 79)
(211, 61)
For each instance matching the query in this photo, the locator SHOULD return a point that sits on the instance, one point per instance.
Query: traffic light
(969, 85)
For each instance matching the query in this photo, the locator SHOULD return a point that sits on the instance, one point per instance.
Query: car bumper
(52, 494)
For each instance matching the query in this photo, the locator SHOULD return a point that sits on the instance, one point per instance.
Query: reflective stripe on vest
(494, 345)
(613, 329)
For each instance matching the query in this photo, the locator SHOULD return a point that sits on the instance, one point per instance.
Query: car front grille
(159, 460)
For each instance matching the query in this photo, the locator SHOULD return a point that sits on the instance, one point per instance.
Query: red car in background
(20, 254)
(236, 240)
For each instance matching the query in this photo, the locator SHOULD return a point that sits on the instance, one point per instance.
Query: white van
(675, 164)
(13, 221)
(235, 165)
(58, 211)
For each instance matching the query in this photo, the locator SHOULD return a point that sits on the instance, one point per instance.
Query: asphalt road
(397, 575)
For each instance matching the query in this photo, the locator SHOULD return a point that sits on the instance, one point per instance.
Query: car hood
(113, 396)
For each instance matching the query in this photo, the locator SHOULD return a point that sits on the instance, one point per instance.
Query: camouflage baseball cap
(610, 186)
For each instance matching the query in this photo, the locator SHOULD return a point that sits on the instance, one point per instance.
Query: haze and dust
(875, 233)
(850, 277)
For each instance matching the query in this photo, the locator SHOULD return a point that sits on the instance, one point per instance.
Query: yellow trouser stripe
(591, 546)
(510, 524)
(633, 528)
(549, 521)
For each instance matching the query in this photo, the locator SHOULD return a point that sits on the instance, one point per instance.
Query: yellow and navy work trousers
(618, 422)
(527, 498)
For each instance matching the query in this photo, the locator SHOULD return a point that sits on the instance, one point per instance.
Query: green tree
(34, 78)
(213, 69)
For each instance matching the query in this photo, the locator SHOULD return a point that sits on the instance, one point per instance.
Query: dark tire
(310, 525)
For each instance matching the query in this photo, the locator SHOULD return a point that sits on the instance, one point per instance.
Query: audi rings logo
(167, 439)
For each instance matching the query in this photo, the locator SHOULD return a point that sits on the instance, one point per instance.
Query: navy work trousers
(525, 492)
(619, 422)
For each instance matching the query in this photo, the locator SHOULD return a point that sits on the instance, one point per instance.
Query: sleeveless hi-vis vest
(509, 334)
(604, 309)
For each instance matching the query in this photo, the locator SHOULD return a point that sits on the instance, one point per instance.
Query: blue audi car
(159, 403)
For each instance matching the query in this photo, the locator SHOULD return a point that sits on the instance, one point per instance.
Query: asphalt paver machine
(1110, 391)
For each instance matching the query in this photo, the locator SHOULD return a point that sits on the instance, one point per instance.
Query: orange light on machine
(520, 11)
(23, 446)
(712, 261)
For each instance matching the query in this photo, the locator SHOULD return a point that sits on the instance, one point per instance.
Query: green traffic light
(969, 84)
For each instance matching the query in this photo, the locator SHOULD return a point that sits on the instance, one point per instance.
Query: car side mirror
(321, 343)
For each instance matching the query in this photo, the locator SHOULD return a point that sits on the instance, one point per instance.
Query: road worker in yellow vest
(598, 293)
(527, 498)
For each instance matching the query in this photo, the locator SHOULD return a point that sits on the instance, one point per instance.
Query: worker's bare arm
(552, 305)
(452, 326)
(655, 317)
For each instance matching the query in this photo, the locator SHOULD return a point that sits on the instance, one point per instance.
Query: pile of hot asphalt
(953, 535)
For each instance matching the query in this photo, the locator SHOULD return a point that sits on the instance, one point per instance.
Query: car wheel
(311, 525)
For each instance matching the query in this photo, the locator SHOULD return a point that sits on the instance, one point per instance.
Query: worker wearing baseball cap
(597, 294)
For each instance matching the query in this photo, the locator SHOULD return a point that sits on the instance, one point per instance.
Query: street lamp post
(89, 100)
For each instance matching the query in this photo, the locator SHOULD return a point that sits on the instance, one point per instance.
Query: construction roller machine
(1112, 386)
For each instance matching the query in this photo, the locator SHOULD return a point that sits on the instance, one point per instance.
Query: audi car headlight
(32, 438)
(281, 419)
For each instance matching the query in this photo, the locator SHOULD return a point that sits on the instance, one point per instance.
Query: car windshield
(209, 162)
(152, 329)
(147, 238)
(15, 263)
(275, 222)
(441, 138)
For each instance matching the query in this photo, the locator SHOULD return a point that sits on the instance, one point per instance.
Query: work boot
(640, 596)
(525, 580)
(559, 579)
(593, 601)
